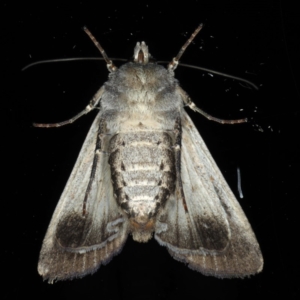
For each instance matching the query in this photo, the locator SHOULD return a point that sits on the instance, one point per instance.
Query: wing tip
(207, 265)
(70, 265)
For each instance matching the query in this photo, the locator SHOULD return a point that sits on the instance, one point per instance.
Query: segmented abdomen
(143, 172)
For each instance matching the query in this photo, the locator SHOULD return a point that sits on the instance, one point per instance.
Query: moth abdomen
(141, 185)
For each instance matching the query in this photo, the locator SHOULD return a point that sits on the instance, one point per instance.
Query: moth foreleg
(177, 147)
(95, 100)
(174, 63)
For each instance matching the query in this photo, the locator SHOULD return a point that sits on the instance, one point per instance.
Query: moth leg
(174, 63)
(110, 65)
(97, 153)
(177, 147)
(95, 100)
(187, 100)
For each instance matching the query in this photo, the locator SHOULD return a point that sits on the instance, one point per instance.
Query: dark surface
(256, 40)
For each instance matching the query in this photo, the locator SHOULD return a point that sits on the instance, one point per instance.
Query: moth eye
(159, 142)
(162, 166)
(123, 144)
(156, 197)
(159, 183)
(122, 167)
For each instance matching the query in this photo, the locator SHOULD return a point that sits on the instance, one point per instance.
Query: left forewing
(76, 244)
(213, 235)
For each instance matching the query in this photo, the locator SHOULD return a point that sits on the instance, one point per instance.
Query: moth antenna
(46, 61)
(221, 74)
(174, 63)
(214, 72)
(110, 65)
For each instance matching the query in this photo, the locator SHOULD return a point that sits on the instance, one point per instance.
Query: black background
(257, 40)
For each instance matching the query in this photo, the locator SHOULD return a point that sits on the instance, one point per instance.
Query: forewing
(77, 244)
(214, 236)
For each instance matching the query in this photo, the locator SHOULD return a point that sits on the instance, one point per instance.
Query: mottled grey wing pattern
(76, 245)
(214, 236)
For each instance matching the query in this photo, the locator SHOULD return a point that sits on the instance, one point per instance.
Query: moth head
(141, 53)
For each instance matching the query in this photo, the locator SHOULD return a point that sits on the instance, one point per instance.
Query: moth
(144, 170)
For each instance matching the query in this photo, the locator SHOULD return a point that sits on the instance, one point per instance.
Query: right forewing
(76, 244)
(213, 236)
